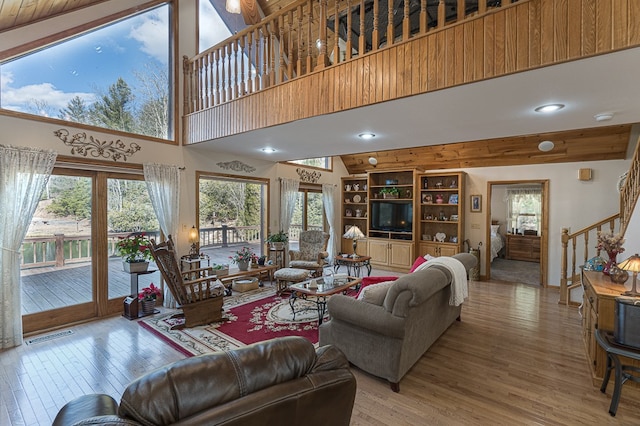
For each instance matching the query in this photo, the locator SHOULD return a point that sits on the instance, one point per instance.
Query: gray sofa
(387, 337)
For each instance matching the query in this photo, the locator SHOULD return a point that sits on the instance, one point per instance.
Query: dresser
(523, 247)
(598, 310)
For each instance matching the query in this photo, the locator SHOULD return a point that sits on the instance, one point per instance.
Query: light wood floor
(516, 358)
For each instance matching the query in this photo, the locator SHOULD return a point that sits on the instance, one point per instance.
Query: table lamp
(194, 240)
(354, 233)
(632, 264)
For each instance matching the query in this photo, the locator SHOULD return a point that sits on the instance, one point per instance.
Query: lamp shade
(632, 263)
(354, 233)
(194, 237)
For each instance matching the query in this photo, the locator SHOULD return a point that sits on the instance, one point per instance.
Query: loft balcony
(294, 64)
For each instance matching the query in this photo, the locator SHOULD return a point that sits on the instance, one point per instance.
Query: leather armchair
(279, 381)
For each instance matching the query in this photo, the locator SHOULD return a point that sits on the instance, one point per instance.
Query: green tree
(129, 207)
(76, 111)
(74, 201)
(153, 90)
(115, 109)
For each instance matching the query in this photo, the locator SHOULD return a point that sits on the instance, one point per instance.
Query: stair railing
(301, 38)
(577, 248)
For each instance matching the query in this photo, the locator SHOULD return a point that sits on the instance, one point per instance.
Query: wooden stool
(285, 276)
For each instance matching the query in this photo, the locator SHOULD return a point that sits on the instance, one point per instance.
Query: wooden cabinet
(440, 210)
(598, 312)
(355, 209)
(391, 202)
(391, 254)
(523, 247)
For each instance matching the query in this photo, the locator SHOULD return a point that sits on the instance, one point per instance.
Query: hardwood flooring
(516, 358)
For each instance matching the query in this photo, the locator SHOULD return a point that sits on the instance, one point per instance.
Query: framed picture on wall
(476, 203)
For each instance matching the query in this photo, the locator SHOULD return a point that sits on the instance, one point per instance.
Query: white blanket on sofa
(459, 283)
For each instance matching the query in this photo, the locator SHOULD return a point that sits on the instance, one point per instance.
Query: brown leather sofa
(283, 381)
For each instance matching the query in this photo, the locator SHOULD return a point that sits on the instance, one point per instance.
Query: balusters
(290, 47)
(375, 35)
(441, 14)
(362, 41)
(198, 74)
(322, 23)
(347, 51)
(299, 58)
(188, 90)
(461, 10)
(272, 53)
(207, 81)
(482, 6)
(423, 16)
(336, 34)
(241, 87)
(216, 95)
(266, 45)
(310, 43)
(390, 36)
(223, 76)
(406, 24)
(233, 70)
(250, 62)
(281, 53)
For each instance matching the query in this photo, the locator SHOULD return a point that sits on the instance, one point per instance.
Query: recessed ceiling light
(546, 146)
(605, 116)
(549, 108)
(366, 136)
(373, 161)
(268, 150)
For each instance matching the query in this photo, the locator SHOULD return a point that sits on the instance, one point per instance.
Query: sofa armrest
(365, 315)
(87, 407)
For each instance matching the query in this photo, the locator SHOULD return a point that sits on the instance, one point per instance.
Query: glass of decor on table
(612, 244)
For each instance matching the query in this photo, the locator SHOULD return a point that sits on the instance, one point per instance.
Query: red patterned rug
(252, 317)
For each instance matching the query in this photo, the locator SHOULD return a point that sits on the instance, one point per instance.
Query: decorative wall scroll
(89, 146)
(236, 166)
(307, 176)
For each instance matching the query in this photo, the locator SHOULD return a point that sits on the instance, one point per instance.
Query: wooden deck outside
(53, 287)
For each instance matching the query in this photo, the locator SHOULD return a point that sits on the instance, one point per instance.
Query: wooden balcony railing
(301, 38)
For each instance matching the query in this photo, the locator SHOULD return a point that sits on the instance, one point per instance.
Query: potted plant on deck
(278, 240)
(135, 251)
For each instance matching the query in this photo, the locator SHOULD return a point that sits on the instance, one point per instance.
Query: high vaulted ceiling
(473, 125)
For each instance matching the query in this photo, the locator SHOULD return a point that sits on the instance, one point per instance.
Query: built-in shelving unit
(441, 213)
(355, 209)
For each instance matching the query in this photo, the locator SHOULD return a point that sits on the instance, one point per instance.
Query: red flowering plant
(134, 248)
(149, 293)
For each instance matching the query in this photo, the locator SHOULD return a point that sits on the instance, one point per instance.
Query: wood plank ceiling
(603, 143)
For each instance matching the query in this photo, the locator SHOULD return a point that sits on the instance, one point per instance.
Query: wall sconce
(194, 240)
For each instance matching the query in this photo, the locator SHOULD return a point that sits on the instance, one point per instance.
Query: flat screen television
(392, 216)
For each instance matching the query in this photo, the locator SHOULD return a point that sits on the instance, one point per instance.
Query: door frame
(544, 238)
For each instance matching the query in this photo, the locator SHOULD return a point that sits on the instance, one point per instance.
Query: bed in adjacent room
(497, 240)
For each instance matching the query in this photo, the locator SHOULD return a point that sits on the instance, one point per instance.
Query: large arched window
(115, 77)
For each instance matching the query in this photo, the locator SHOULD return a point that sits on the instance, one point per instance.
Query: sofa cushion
(367, 281)
(375, 293)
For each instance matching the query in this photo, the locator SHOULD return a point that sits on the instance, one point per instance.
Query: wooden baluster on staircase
(390, 35)
(461, 10)
(241, 86)
(207, 80)
(375, 35)
(233, 69)
(310, 43)
(198, 88)
(290, 46)
(441, 14)
(348, 47)
(336, 34)
(250, 65)
(564, 295)
(281, 53)
(423, 16)
(266, 47)
(299, 71)
(322, 24)
(406, 24)
(223, 74)
(482, 6)
(216, 62)
(362, 40)
(272, 52)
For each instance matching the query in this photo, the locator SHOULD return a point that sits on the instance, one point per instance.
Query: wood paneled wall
(514, 38)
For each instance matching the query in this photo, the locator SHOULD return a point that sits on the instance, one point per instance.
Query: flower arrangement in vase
(148, 297)
(134, 249)
(243, 258)
(612, 244)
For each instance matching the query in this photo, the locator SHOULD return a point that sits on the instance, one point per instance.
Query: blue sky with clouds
(86, 65)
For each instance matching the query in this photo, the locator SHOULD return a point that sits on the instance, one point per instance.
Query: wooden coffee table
(327, 286)
(256, 271)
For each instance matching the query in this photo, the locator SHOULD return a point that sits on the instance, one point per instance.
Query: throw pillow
(419, 261)
(375, 293)
(494, 230)
(367, 281)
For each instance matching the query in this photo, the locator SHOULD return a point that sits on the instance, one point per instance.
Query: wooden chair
(312, 252)
(197, 291)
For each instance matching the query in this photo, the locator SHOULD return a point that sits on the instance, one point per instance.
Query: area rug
(251, 317)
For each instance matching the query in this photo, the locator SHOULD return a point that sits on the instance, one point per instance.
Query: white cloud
(152, 34)
(19, 98)
(212, 28)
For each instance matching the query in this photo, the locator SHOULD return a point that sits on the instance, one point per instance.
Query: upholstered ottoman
(285, 276)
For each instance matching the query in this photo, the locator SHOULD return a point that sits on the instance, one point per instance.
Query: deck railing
(301, 38)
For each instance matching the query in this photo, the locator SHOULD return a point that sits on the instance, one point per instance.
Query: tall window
(308, 213)
(524, 208)
(232, 213)
(116, 77)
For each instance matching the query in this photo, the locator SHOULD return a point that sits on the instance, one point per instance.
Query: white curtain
(329, 195)
(524, 208)
(163, 184)
(24, 173)
(288, 196)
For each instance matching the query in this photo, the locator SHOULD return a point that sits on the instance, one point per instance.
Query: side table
(187, 263)
(350, 262)
(622, 372)
(131, 310)
(277, 255)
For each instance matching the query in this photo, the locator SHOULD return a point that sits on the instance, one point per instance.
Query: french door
(70, 270)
